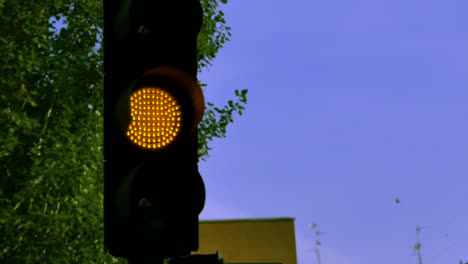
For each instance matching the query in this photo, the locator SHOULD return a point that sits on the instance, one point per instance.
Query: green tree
(51, 164)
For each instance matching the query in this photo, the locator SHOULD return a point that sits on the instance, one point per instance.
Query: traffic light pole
(145, 261)
(192, 259)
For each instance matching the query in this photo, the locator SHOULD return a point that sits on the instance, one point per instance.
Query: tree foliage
(51, 163)
(214, 34)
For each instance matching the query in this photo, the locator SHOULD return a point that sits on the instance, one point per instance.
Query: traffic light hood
(190, 88)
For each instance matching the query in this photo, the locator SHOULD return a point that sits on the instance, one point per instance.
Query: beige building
(250, 241)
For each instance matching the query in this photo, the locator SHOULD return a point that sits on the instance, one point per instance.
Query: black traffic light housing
(153, 192)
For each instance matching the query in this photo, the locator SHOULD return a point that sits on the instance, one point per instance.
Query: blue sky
(351, 104)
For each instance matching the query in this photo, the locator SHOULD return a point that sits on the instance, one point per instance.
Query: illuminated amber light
(142, 108)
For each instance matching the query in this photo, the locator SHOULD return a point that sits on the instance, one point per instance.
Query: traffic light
(153, 192)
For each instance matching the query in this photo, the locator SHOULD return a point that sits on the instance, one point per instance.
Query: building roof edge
(272, 219)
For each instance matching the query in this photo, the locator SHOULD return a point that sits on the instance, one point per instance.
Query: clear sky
(351, 105)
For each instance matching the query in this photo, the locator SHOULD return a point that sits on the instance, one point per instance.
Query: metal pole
(145, 260)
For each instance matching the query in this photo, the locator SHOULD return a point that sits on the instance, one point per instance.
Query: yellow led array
(156, 118)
